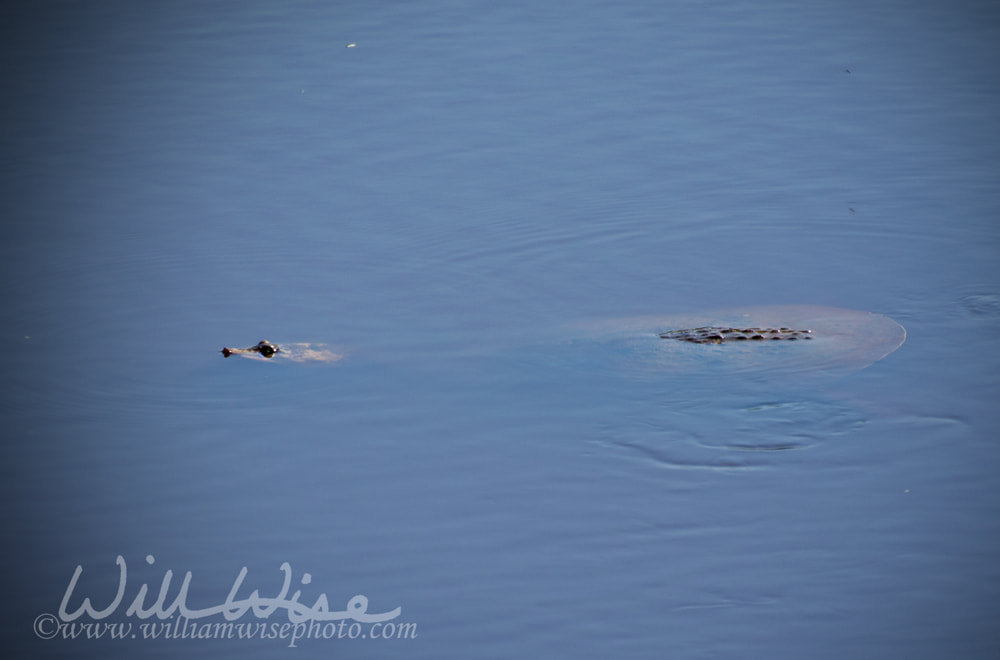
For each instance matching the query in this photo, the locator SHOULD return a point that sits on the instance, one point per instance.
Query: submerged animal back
(721, 335)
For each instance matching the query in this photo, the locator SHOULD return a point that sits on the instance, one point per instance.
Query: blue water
(449, 202)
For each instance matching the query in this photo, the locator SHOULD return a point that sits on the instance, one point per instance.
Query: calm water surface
(448, 203)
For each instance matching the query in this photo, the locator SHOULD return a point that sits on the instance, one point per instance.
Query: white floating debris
(350, 46)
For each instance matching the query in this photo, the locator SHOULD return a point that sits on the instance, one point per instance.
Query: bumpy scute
(721, 335)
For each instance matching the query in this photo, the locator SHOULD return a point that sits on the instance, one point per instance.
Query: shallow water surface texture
(466, 227)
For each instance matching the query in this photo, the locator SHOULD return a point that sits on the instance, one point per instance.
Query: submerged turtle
(294, 352)
(813, 339)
